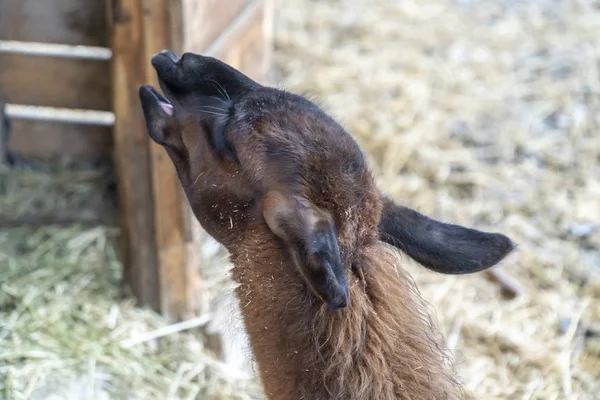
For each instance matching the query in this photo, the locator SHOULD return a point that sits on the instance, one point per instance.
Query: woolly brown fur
(329, 311)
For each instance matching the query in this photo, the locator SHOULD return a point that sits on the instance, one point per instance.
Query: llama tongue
(166, 107)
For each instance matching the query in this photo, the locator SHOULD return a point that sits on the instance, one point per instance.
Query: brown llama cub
(287, 191)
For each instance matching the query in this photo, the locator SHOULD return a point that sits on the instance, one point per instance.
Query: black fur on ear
(310, 236)
(441, 247)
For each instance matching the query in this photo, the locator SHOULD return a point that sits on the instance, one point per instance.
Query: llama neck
(380, 347)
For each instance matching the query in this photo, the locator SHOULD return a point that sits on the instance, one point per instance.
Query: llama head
(249, 156)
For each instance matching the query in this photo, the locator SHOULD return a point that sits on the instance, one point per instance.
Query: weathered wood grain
(176, 296)
(58, 82)
(132, 155)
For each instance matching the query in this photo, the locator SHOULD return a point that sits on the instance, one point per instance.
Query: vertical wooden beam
(192, 230)
(132, 154)
(177, 287)
(158, 263)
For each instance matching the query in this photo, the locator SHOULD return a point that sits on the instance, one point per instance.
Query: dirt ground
(482, 113)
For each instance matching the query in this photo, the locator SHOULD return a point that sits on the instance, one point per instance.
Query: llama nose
(172, 56)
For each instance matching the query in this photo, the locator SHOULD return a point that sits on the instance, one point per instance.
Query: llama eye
(221, 144)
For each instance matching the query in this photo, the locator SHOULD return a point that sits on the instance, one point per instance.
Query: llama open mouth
(170, 73)
(149, 92)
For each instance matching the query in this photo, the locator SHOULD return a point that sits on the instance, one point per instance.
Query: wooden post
(177, 282)
(132, 155)
(157, 268)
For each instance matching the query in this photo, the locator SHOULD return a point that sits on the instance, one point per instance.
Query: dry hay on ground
(64, 327)
(483, 113)
(58, 193)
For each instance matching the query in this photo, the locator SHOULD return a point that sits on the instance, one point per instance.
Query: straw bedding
(483, 113)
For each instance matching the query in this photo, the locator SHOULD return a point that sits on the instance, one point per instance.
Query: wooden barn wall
(205, 20)
(86, 84)
(54, 81)
(236, 34)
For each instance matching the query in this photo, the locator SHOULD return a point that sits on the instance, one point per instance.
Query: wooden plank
(56, 50)
(132, 154)
(204, 20)
(246, 43)
(67, 115)
(177, 292)
(192, 231)
(176, 24)
(54, 21)
(52, 140)
(55, 82)
(58, 82)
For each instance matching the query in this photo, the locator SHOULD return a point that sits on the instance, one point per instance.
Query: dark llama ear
(441, 247)
(310, 236)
